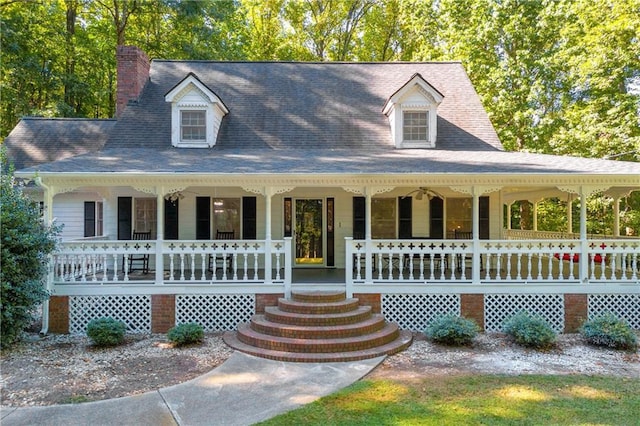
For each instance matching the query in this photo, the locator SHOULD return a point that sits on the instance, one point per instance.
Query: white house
(250, 180)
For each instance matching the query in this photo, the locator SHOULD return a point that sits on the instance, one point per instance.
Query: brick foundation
(472, 307)
(163, 312)
(264, 300)
(575, 311)
(59, 314)
(373, 300)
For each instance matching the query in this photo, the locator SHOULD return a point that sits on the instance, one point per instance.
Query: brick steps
(318, 327)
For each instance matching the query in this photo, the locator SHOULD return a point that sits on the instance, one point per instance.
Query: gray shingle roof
(37, 140)
(307, 105)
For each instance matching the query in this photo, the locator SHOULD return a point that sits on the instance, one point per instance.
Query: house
(245, 181)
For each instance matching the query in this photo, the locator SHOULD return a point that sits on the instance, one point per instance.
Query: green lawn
(478, 399)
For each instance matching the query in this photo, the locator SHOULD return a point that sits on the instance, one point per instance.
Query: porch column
(49, 192)
(475, 217)
(616, 217)
(160, 236)
(368, 274)
(535, 215)
(268, 194)
(584, 255)
(570, 214)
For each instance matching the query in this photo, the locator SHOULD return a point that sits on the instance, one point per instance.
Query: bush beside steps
(452, 330)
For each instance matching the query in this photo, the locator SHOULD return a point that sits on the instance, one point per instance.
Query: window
(93, 218)
(458, 215)
(226, 215)
(414, 127)
(383, 218)
(145, 218)
(193, 125)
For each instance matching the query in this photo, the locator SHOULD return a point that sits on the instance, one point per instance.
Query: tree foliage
(559, 77)
(26, 242)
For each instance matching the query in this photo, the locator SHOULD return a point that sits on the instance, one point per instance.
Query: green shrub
(185, 334)
(452, 330)
(25, 244)
(106, 331)
(608, 330)
(530, 331)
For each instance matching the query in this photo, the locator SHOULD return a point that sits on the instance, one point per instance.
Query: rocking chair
(219, 260)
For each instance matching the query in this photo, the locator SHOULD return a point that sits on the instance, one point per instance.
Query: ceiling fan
(421, 192)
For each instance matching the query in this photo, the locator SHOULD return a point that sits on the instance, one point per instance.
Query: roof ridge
(208, 61)
(31, 117)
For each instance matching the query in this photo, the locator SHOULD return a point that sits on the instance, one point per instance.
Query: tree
(26, 243)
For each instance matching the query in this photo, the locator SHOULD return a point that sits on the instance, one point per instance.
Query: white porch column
(475, 218)
(268, 194)
(368, 274)
(570, 214)
(160, 236)
(49, 192)
(616, 217)
(535, 215)
(584, 255)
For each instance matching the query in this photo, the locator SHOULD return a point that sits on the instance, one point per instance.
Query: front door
(308, 235)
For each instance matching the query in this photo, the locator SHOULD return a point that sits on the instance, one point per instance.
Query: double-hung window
(415, 126)
(193, 125)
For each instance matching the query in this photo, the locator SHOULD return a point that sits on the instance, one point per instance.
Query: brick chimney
(133, 73)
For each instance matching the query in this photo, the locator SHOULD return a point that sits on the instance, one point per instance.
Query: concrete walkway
(242, 391)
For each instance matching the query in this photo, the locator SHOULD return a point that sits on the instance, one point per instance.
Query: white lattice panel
(624, 306)
(416, 311)
(133, 310)
(215, 312)
(499, 307)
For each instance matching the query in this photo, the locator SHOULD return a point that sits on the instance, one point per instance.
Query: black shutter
(249, 219)
(404, 223)
(359, 218)
(170, 220)
(288, 212)
(203, 218)
(125, 218)
(331, 256)
(483, 211)
(436, 224)
(89, 218)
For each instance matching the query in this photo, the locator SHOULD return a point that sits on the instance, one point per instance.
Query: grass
(477, 399)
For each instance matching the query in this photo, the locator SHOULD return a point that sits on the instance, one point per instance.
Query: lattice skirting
(624, 306)
(215, 312)
(133, 310)
(499, 307)
(416, 311)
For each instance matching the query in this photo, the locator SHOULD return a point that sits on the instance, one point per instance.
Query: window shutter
(203, 218)
(331, 256)
(359, 218)
(89, 218)
(288, 214)
(404, 223)
(125, 218)
(249, 219)
(436, 213)
(483, 211)
(171, 220)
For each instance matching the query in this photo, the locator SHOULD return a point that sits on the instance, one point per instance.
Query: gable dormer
(413, 114)
(196, 114)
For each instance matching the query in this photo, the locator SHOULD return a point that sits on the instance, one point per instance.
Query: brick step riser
(317, 346)
(309, 308)
(315, 320)
(331, 332)
(318, 297)
(403, 342)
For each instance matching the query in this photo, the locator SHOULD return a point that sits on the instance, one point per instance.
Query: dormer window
(193, 125)
(413, 114)
(415, 126)
(196, 114)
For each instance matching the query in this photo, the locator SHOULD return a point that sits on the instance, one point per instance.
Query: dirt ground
(58, 369)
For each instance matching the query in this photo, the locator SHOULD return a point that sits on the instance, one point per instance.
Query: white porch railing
(390, 262)
(172, 262)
